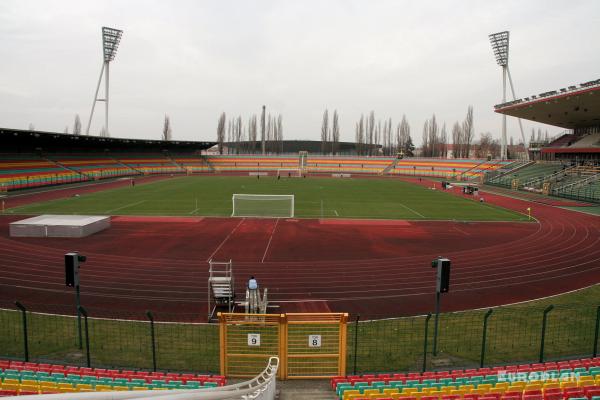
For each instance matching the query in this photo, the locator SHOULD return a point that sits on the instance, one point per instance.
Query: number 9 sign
(254, 339)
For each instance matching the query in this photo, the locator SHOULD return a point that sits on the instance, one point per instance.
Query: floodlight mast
(110, 43)
(500, 46)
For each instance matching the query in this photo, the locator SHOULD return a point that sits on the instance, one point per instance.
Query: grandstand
(569, 379)
(34, 159)
(568, 166)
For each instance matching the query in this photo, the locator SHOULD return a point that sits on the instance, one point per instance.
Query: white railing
(262, 387)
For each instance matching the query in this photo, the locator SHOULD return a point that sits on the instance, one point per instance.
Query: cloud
(193, 60)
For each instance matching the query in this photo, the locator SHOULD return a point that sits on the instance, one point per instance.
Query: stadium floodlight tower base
(500, 42)
(263, 205)
(110, 43)
(289, 172)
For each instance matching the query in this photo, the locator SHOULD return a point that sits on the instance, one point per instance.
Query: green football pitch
(314, 198)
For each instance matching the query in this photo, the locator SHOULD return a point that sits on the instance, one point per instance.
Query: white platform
(59, 226)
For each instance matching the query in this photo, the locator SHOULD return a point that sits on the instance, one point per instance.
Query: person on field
(253, 295)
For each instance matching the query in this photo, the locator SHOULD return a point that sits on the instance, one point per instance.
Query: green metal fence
(469, 339)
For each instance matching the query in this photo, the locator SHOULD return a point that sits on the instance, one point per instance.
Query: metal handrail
(261, 387)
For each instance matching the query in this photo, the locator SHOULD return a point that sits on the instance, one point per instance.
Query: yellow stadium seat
(10, 382)
(83, 386)
(103, 388)
(458, 392)
(501, 385)
(10, 386)
(29, 388)
(530, 386)
(479, 391)
(568, 384)
(67, 390)
(349, 393)
(369, 392)
(30, 382)
(409, 391)
(140, 388)
(48, 387)
(389, 391)
(484, 386)
(551, 386)
(120, 388)
(497, 390)
(466, 388)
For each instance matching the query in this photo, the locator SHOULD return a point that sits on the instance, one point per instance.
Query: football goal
(263, 205)
(289, 172)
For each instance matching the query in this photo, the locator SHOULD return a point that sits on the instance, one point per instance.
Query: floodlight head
(499, 43)
(110, 42)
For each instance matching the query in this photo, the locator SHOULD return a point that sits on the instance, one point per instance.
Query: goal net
(289, 172)
(263, 205)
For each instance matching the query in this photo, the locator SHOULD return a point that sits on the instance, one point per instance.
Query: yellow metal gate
(308, 345)
(316, 345)
(247, 342)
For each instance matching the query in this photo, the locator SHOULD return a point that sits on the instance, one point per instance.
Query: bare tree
(238, 134)
(167, 130)
(31, 127)
(335, 133)
(221, 132)
(360, 136)
(262, 128)
(77, 125)
(488, 146)
(443, 142)
(280, 133)
(370, 131)
(324, 132)
(252, 133)
(457, 140)
(403, 134)
(391, 143)
(229, 136)
(425, 136)
(468, 131)
(433, 137)
(67, 129)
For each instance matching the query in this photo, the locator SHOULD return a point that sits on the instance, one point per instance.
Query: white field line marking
(336, 213)
(410, 209)
(125, 206)
(269, 244)
(226, 238)
(461, 231)
(194, 211)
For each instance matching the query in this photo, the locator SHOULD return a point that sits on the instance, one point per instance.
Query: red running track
(375, 268)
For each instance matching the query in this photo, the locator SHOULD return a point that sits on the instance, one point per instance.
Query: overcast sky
(194, 59)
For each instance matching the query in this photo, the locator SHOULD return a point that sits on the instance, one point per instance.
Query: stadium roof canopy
(31, 141)
(570, 108)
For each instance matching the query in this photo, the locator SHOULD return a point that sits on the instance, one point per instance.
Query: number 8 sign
(314, 340)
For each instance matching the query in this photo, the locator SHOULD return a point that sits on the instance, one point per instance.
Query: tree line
(235, 137)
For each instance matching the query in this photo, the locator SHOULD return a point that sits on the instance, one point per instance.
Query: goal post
(263, 205)
(289, 172)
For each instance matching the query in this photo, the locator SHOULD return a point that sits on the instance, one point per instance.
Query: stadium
(126, 263)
